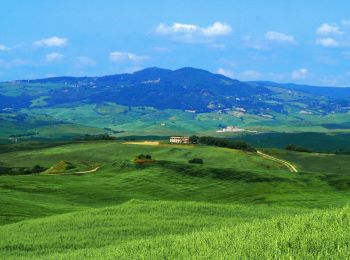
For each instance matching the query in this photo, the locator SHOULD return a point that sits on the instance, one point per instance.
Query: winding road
(290, 166)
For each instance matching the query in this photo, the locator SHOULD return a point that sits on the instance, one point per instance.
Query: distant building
(231, 129)
(234, 129)
(180, 139)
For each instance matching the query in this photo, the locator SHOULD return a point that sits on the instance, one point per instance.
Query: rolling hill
(236, 204)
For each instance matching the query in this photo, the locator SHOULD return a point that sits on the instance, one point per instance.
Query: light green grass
(235, 205)
(158, 230)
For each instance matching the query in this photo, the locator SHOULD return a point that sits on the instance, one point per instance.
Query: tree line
(222, 142)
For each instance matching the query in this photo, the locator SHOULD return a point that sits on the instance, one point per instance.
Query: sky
(305, 42)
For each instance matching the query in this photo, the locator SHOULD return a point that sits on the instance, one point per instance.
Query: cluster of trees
(222, 142)
(88, 137)
(196, 160)
(342, 151)
(21, 170)
(144, 157)
(292, 147)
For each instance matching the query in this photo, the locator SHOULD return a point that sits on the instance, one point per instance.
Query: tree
(194, 139)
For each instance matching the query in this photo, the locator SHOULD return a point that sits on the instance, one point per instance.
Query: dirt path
(93, 170)
(290, 166)
(81, 172)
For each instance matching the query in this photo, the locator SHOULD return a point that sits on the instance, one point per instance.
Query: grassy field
(236, 204)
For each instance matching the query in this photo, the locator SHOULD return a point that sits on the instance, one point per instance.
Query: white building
(180, 139)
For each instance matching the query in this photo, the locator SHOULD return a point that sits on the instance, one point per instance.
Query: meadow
(236, 204)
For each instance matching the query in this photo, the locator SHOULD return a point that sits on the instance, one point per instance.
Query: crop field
(236, 204)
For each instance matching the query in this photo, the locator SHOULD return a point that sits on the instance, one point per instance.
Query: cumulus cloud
(299, 74)
(217, 29)
(225, 72)
(279, 37)
(193, 33)
(333, 35)
(4, 47)
(120, 56)
(51, 42)
(85, 61)
(54, 56)
(327, 42)
(327, 29)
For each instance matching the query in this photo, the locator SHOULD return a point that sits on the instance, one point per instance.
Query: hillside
(235, 204)
(163, 102)
(160, 230)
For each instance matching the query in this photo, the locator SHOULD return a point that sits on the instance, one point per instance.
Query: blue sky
(284, 41)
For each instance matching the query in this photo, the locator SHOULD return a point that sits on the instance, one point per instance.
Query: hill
(159, 230)
(235, 204)
(165, 102)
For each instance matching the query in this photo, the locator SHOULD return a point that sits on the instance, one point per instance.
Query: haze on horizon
(289, 41)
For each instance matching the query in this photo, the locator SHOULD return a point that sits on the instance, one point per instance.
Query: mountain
(184, 89)
(162, 101)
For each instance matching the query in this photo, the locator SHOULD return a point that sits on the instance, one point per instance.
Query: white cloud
(120, 56)
(279, 37)
(327, 42)
(85, 61)
(192, 33)
(299, 74)
(54, 56)
(327, 29)
(225, 72)
(217, 29)
(52, 42)
(4, 47)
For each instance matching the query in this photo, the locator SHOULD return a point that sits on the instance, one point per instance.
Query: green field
(235, 205)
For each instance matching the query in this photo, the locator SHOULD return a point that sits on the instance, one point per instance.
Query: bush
(196, 160)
